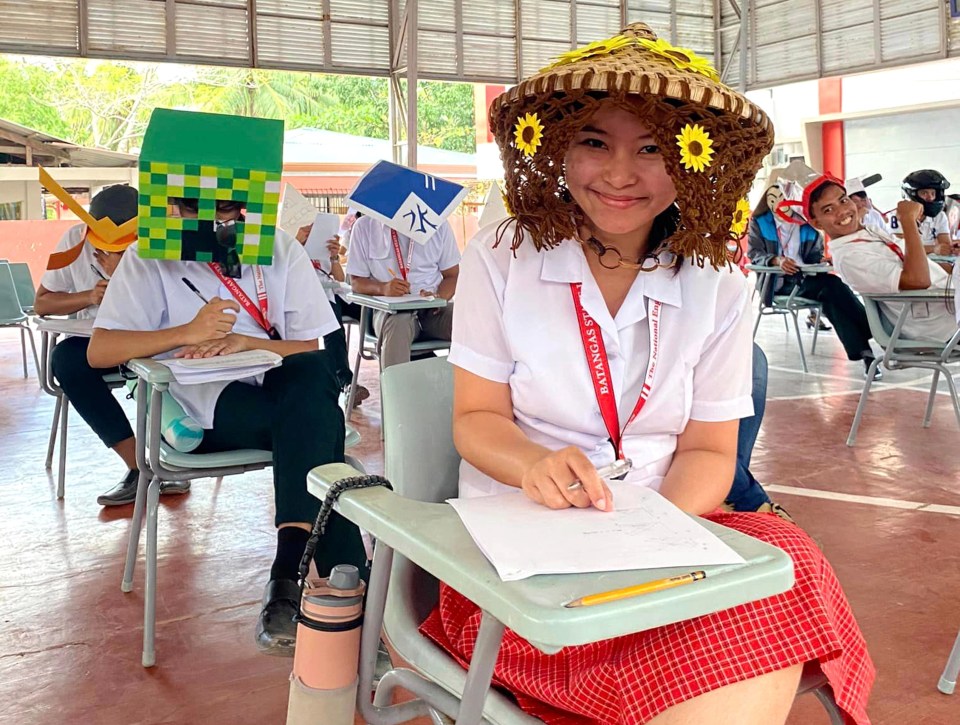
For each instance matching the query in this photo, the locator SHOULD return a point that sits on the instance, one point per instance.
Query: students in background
(777, 242)
(594, 326)
(857, 191)
(871, 260)
(384, 262)
(292, 410)
(78, 289)
(927, 187)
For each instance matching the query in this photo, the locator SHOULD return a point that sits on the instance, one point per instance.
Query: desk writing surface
(433, 536)
(407, 303)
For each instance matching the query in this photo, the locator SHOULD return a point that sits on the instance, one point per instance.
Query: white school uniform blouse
(76, 276)
(930, 228)
(149, 294)
(372, 255)
(515, 323)
(872, 267)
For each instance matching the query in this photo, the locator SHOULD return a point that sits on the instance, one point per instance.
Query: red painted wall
(831, 101)
(31, 242)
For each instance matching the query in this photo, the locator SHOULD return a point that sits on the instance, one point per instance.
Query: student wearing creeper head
(77, 277)
(260, 292)
(871, 260)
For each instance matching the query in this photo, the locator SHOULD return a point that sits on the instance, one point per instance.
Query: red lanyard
(596, 354)
(259, 314)
(890, 245)
(404, 267)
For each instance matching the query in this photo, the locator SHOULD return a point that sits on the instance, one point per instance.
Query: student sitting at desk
(593, 326)
(872, 260)
(232, 304)
(776, 242)
(78, 288)
(927, 187)
(383, 262)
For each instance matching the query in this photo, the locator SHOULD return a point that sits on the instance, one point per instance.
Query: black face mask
(932, 208)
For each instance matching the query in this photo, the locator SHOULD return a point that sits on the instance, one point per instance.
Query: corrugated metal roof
(78, 156)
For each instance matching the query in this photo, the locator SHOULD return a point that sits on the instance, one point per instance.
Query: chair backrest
(880, 327)
(10, 309)
(421, 463)
(23, 281)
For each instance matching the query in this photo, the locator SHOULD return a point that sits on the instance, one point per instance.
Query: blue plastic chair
(12, 314)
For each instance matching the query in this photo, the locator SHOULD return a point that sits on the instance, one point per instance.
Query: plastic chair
(23, 280)
(901, 354)
(12, 314)
(158, 462)
(50, 331)
(367, 350)
(414, 529)
(785, 305)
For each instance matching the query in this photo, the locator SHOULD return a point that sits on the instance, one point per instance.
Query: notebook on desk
(521, 538)
(236, 366)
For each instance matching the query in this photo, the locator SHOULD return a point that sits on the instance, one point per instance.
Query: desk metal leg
(481, 670)
(867, 383)
(149, 658)
(948, 680)
(352, 395)
(796, 329)
(53, 432)
(928, 413)
(953, 395)
(62, 473)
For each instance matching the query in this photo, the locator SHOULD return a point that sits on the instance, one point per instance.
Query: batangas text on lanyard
(260, 311)
(404, 266)
(596, 354)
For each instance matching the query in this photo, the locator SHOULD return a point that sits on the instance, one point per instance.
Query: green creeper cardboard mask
(211, 158)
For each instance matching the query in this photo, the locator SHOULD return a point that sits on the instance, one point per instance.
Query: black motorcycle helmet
(926, 179)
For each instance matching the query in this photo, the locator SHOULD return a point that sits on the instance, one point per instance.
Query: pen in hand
(195, 290)
(98, 272)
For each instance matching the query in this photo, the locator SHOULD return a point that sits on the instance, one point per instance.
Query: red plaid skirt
(629, 680)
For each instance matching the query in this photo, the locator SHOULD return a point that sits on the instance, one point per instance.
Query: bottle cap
(344, 576)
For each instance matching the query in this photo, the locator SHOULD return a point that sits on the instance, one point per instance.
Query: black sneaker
(877, 374)
(125, 492)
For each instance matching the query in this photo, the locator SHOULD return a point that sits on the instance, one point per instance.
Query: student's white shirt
(789, 237)
(874, 218)
(372, 255)
(149, 294)
(870, 266)
(930, 228)
(515, 323)
(76, 276)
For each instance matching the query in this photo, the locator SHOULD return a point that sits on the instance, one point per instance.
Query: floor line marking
(880, 501)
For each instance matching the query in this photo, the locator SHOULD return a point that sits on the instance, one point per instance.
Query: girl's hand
(211, 348)
(548, 481)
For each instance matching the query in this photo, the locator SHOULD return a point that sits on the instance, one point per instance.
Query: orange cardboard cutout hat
(101, 233)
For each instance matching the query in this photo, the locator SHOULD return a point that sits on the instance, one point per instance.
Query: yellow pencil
(626, 592)
(392, 273)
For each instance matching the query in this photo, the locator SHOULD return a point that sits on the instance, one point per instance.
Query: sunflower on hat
(591, 50)
(741, 217)
(682, 58)
(528, 134)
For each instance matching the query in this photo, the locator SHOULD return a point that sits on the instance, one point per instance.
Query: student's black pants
(336, 343)
(294, 414)
(87, 391)
(840, 306)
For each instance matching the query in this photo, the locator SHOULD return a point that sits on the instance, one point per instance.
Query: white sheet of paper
(325, 226)
(521, 538)
(403, 298)
(80, 328)
(236, 366)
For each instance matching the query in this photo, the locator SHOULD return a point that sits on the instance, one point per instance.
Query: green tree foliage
(107, 104)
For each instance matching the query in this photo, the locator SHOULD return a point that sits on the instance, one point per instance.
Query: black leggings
(295, 414)
(336, 343)
(87, 391)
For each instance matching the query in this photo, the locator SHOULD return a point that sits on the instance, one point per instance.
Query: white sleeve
(941, 225)
(307, 312)
(449, 253)
(722, 379)
(358, 261)
(134, 299)
(869, 271)
(62, 280)
(479, 342)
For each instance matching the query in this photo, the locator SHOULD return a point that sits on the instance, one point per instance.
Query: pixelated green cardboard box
(209, 157)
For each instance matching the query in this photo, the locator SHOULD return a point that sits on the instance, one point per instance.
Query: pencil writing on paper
(98, 272)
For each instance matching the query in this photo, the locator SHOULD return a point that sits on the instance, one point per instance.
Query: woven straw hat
(712, 139)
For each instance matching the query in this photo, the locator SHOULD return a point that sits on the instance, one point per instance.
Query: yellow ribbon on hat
(103, 234)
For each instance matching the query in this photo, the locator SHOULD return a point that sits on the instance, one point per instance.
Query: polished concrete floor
(70, 640)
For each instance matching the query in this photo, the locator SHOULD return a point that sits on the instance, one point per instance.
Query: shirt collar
(567, 263)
